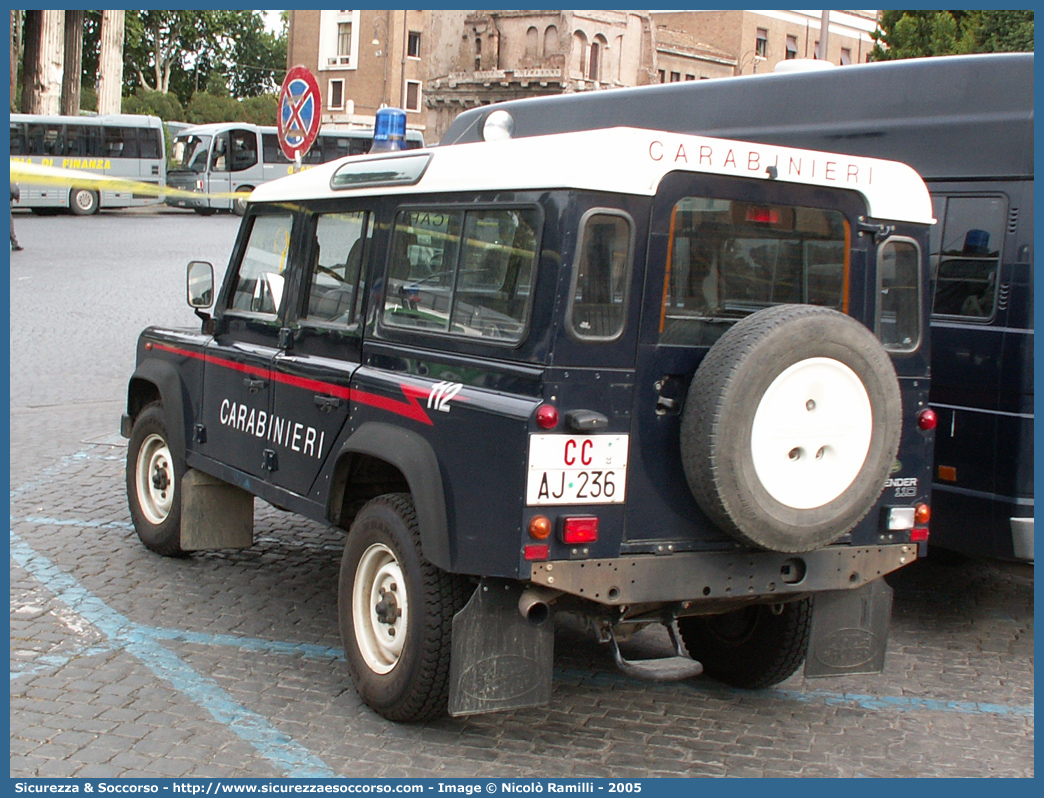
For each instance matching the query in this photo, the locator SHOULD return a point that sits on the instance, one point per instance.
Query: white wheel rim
(379, 608)
(85, 200)
(155, 479)
(811, 433)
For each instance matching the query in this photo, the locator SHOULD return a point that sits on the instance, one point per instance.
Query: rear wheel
(754, 647)
(396, 612)
(154, 477)
(83, 202)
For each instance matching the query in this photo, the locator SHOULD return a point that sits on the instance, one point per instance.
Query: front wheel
(154, 477)
(395, 613)
(754, 647)
(239, 203)
(83, 202)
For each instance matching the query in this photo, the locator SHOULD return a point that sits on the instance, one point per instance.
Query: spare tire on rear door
(790, 427)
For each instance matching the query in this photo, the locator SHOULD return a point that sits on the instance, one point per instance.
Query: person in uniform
(16, 195)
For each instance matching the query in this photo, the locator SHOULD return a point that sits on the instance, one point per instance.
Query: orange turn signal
(922, 514)
(539, 527)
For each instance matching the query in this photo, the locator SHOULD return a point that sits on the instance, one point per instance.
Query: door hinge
(200, 433)
(269, 462)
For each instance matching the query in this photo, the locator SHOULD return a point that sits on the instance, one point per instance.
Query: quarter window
(333, 291)
(899, 296)
(259, 281)
(463, 273)
(968, 256)
(601, 277)
(728, 259)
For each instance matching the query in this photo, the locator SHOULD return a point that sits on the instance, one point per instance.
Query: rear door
(719, 250)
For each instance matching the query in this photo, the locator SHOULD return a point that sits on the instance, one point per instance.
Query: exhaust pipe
(534, 603)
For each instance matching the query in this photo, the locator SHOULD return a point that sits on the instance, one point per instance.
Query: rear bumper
(717, 576)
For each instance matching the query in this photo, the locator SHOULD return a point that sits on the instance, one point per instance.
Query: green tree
(260, 110)
(204, 108)
(915, 34)
(155, 103)
(176, 51)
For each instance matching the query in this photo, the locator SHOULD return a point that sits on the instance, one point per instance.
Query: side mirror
(200, 279)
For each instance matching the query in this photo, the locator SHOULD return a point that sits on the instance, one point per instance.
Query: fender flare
(416, 460)
(164, 376)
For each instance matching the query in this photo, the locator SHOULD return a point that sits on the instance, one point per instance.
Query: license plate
(576, 469)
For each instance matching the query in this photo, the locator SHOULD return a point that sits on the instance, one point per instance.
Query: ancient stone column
(73, 62)
(43, 85)
(110, 63)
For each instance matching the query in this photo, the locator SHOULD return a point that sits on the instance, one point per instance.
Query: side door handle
(253, 385)
(327, 403)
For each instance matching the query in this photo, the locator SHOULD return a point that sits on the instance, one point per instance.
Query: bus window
(190, 152)
(219, 161)
(150, 143)
(966, 277)
(244, 149)
(45, 139)
(17, 139)
(270, 149)
(120, 142)
(83, 141)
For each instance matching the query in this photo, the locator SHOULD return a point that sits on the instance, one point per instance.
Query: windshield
(190, 152)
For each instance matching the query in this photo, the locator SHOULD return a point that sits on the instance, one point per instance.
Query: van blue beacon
(637, 376)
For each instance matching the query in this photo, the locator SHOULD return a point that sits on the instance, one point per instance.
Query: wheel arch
(403, 460)
(152, 381)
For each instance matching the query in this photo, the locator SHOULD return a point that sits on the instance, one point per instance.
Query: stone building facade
(759, 40)
(435, 64)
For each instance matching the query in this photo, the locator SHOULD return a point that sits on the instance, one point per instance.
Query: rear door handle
(253, 385)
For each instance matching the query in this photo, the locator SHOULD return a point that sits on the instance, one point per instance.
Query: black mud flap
(501, 660)
(849, 631)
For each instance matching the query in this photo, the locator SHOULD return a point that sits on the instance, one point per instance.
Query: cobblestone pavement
(128, 664)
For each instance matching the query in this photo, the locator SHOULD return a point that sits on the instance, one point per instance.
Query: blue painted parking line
(868, 702)
(281, 751)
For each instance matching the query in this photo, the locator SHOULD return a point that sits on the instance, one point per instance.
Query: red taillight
(537, 551)
(927, 419)
(919, 535)
(580, 529)
(762, 215)
(922, 514)
(547, 417)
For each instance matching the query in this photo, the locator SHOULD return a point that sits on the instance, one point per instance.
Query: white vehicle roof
(620, 160)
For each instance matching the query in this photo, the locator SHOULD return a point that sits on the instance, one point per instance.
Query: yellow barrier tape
(36, 174)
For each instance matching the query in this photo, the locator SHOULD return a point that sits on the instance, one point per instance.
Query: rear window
(728, 259)
(466, 273)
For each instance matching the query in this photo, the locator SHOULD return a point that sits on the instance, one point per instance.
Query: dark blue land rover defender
(643, 377)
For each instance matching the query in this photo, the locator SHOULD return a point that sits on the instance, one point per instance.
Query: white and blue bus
(228, 157)
(115, 145)
(965, 123)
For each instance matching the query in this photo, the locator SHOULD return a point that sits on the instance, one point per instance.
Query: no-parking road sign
(299, 112)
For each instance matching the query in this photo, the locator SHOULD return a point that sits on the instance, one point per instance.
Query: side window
(334, 284)
(899, 296)
(272, 151)
(601, 276)
(467, 274)
(969, 256)
(259, 279)
(244, 149)
(219, 154)
(495, 275)
(421, 268)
